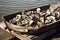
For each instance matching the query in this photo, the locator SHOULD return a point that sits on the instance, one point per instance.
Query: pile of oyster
(37, 17)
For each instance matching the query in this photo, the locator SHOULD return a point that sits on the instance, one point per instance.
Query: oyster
(18, 16)
(57, 15)
(51, 18)
(39, 23)
(38, 10)
(15, 19)
(32, 15)
(32, 11)
(19, 23)
(24, 22)
(24, 16)
(11, 21)
(42, 19)
(48, 12)
(57, 12)
(28, 13)
(51, 10)
(47, 21)
(30, 22)
(42, 13)
(36, 15)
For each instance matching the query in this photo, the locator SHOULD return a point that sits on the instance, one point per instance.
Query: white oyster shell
(42, 19)
(30, 22)
(18, 16)
(38, 10)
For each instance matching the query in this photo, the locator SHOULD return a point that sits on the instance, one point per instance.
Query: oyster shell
(24, 22)
(30, 22)
(28, 13)
(48, 12)
(51, 18)
(32, 15)
(18, 16)
(42, 19)
(24, 16)
(19, 23)
(42, 14)
(36, 15)
(32, 11)
(39, 23)
(16, 19)
(51, 10)
(47, 21)
(57, 15)
(10, 21)
(38, 10)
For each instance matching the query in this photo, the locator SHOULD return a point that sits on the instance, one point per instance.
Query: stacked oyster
(36, 18)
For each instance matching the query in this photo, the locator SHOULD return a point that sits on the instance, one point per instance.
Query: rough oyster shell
(24, 22)
(42, 14)
(57, 15)
(39, 23)
(38, 10)
(28, 13)
(36, 15)
(42, 19)
(30, 22)
(18, 16)
(47, 21)
(52, 18)
(47, 12)
(24, 16)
